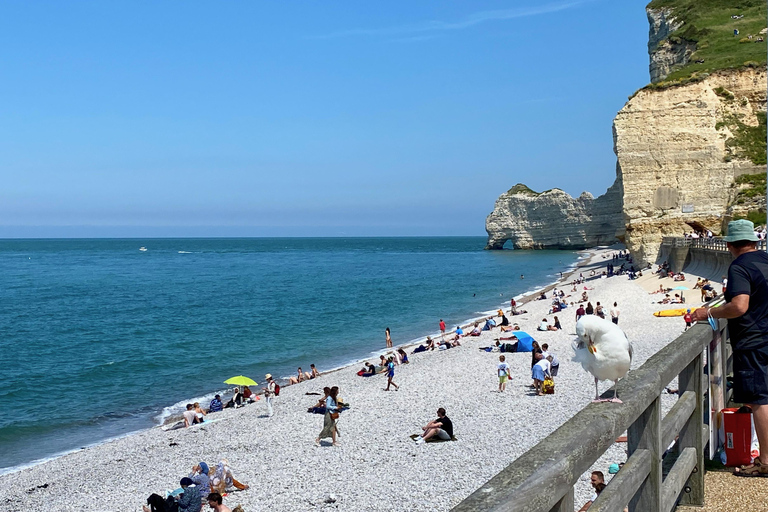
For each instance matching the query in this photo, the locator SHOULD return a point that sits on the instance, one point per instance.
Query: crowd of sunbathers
(203, 485)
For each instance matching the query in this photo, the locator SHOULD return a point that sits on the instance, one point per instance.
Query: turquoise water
(100, 339)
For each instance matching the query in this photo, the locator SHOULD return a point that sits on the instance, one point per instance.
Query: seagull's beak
(592, 348)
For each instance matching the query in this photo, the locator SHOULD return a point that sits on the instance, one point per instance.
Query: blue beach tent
(524, 341)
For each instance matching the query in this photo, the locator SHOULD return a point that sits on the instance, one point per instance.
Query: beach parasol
(240, 380)
(681, 288)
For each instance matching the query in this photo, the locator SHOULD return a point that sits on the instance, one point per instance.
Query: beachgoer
(199, 413)
(615, 311)
(158, 504)
(403, 356)
(313, 372)
(746, 309)
(476, 331)
(216, 404)
(599, 311)
(597, 479)
(580, 312)
(199, 476)
(236, 400)
(589, 310)
(504, 374)
(442, 328)
(247, 393)
(329, 422)
(442, 427)
(688, 319)
(459, 331)
(189, 416)
(299, 377)
(189, 500)
(557, 326)
(554, 363)
(543, 326)
(223, 479)
(382, 361)
(368, 369)
(391, 375)
(513, 307)
(388, 338)
(269, 394)
(215, 501)
(540, 371)
(430, 343)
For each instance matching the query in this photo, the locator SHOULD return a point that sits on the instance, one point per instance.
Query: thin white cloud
(470, 21)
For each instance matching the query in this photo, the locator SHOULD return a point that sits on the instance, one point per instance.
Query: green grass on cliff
(708, 23)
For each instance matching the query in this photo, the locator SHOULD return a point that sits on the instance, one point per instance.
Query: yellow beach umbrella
(241, 380)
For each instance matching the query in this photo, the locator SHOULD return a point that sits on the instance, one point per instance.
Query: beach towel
(433, 439)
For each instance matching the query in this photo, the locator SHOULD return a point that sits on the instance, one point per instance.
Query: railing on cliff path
(542, 479)
(715, 244)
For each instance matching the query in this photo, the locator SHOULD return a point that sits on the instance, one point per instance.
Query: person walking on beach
(504, 373)
(389, 338)
(615, 311)
(391, 374)
(269, 394)
(746, 309)
(331, 415)
(442, 329)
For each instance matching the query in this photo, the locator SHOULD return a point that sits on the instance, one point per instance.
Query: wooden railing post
(566, 504)
(691, 435)
(645, 433)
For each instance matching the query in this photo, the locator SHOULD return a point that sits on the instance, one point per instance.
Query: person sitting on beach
(489, 324)
(199, 413)
(300, 377)
(216, 404)
(190, 418)
(313, 372)
(247, 393)
(199, 476)
(476, 330)
(442, 427)
(189, 500)
(382, 361)
(504, 320)
(369, 369)
(216, 502)
(543, 296)
(580, 312)
(459, 332)
(223, 479)
(597, 479)
(584, 297)
(556, 326)
(236, 400)
(543, 326)
(403, 356)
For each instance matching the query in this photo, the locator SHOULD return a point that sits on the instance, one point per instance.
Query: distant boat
(143, 249)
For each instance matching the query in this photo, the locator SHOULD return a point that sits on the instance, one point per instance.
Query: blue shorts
(750, 376)
(537, 373)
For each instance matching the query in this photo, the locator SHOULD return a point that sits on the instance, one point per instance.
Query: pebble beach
(378, 466)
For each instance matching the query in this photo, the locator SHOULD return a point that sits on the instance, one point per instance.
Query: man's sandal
(752, 470)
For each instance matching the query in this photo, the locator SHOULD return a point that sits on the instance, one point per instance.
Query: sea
(99, 339)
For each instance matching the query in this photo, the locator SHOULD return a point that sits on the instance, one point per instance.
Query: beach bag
(334, 415)
(548, 386)
(277, 389)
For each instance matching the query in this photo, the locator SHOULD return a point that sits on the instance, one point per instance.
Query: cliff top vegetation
(711, 24)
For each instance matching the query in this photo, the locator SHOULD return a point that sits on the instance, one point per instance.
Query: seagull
(603, 350)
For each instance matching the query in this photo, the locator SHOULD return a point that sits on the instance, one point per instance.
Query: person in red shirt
(442, 328)
(688, 319)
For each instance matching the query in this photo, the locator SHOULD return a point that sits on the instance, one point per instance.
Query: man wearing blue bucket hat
(746, 309)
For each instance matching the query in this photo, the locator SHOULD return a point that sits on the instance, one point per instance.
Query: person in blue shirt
(391, 374)
(216, 404)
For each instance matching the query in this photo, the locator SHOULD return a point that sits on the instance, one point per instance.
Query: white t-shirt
(503, 369)
(190, 416)
(544, 365)
(615, 312)
(543, 326)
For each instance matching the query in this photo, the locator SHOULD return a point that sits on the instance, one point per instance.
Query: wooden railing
(542, 479)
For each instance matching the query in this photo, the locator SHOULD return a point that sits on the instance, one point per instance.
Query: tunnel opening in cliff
(697, 226)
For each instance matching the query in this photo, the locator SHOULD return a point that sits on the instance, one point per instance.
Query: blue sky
(257, 118)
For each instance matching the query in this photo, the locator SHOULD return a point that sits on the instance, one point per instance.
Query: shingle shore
(378, 467)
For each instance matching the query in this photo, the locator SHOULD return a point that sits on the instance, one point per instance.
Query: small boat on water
(143, 249)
